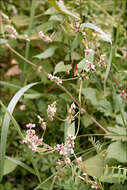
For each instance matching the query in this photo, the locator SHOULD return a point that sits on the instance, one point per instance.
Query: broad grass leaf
(6, 123)
(60, 67)
(47, 53)
(9, 166)
(112, 178)
(117, 151)
(61, 8)
(94, 166)
(20, 20)
(108, 68)
(69, 129)
(97, 29)
(117, 133)
(16, 161)
(119, 119)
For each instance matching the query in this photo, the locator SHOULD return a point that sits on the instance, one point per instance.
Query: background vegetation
(101, 145)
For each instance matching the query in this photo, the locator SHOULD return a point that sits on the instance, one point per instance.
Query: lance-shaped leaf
(6, 123)
(61, 8)
(47, 53)
(97, 29)
(60, 67)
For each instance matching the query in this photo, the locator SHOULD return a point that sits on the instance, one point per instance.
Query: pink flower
(67, 160)
(30, 125)
(57, 178)
(102, 57)
(94, 186)
(26, 37)
(54, 78)
(22, 107)
(78, 160)
(87, 51)
(62, 149)
(39, 68)
(123, 94)
(59, 162)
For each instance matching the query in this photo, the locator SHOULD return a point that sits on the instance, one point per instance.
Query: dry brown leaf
(14, 62)
(13, 71)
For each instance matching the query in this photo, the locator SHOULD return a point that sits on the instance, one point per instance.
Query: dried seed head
(51, 110)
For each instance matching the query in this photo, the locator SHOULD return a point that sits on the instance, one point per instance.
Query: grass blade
(18, 162)
(108, 68)
(32, 13)
(6, 123)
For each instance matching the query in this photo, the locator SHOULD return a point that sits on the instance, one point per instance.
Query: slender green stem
(62, 87)
(27, 49)
(38, 187)
(80, 90)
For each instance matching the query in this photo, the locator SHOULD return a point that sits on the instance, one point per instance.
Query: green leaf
(16, 125)
(60, 67)
(90, 94)
(9, 166)
(117, 151)
(119, 119)
(47, 53)
(105, 106)
(69, 129)
(76, 41)
(83, 64)
(94, 166)
(3, 41)
(20, 20)
(117, 133)
(61, 8)
(111, 178)
(16, 161)
(93, 27)
(6, 123)
(108, 68)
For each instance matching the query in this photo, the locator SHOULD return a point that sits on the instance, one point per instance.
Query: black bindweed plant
(70, 130)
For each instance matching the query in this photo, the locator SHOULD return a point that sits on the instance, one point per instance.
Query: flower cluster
(102, 61)
(39, 68)
(26, 37)
(87, 51)
(22, 107)
(94, 186)
(44, 37)
(123, 94)
(54, 78)
(12, 31)
(68, 148)
(41, 121)
(90, 66)
(70, 144)
(56, 177)
(51, 111)
(77, 26)
(31, 138)
(71, 112)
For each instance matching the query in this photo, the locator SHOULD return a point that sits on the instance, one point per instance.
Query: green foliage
(117, 151)
(47, 53)
(73, 26)
(60, 67)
